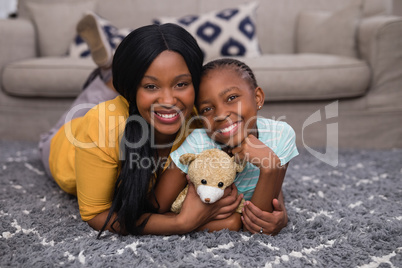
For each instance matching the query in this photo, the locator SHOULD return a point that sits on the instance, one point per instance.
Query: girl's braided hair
(240, 67)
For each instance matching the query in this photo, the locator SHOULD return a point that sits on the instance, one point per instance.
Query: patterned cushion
(228, 32)
(79, 49)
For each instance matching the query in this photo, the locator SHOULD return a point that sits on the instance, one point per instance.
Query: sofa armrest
(380, 44)
(17, 41)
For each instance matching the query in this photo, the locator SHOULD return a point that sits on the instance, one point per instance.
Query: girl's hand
(194, 213)
(254, 218)
(256, 152)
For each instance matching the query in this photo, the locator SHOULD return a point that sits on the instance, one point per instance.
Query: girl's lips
(229, 130)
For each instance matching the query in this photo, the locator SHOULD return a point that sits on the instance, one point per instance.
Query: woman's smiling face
(228, 105)
(165, 96)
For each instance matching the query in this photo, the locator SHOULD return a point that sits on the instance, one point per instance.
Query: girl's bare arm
(269, 186)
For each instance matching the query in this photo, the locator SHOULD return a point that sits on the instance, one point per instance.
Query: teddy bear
(211, 171)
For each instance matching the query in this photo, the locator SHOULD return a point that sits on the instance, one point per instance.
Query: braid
(240, 67)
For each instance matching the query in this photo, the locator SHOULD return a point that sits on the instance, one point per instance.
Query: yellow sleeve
(62, 157)
(97, 160)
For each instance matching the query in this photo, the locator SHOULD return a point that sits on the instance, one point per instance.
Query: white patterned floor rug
(347, 216)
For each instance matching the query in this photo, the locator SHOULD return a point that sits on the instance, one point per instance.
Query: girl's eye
(232, 98)
(205, 110)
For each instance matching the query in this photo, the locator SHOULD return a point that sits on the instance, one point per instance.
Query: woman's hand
(271, 223)
(194, 213)
(228, 203)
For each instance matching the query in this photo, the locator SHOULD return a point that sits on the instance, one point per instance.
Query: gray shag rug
(348, 216)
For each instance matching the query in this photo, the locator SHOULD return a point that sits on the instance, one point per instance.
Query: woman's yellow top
(84, 155)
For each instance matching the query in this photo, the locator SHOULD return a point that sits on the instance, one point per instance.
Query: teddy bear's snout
(209, 194)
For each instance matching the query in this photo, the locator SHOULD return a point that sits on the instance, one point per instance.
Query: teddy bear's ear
(186, 159)
(239, 167)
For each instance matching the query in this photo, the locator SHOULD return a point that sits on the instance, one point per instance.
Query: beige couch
(317, 55)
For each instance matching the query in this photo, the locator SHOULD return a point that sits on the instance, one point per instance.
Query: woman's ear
(186, 159)
(259, 97)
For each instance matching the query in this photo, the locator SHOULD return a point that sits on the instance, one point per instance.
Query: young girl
(228, 102)
(92, 151)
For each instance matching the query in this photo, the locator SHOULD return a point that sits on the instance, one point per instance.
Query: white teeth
(167, 115)
(229, 128)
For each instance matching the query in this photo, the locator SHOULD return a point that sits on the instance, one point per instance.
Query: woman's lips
(167, 116)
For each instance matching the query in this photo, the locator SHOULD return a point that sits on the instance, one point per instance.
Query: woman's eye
(182, 84)
(232, 97)
(150, 87)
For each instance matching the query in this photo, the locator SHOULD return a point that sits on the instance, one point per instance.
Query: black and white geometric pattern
(79, 48)
(229, 32)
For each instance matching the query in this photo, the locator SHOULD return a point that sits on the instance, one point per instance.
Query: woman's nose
(167, 97)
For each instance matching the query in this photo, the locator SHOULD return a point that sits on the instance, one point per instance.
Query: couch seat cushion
(46, 77)
(294, 77)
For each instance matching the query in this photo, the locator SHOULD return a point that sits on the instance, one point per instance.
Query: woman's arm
(232, 223)
(168, 186)
(194, 214)
(172, 181)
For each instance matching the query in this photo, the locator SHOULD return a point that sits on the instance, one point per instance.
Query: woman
(156, 72)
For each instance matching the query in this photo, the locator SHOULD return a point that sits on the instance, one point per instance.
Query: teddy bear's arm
(177, 204)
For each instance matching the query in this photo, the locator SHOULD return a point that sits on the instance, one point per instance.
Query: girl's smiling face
(228, 105)
(165, 96)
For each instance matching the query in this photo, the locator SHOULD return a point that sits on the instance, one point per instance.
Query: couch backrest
(276, 19)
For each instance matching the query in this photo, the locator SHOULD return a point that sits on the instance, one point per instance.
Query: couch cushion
(55, 23)
(309, 76)
(226, 32)
(329, 33)
(46, 77)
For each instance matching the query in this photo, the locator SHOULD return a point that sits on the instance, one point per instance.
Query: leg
(96, 92)
(93, 34)
(99, 87)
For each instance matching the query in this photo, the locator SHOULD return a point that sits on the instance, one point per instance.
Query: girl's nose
(221, 114)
